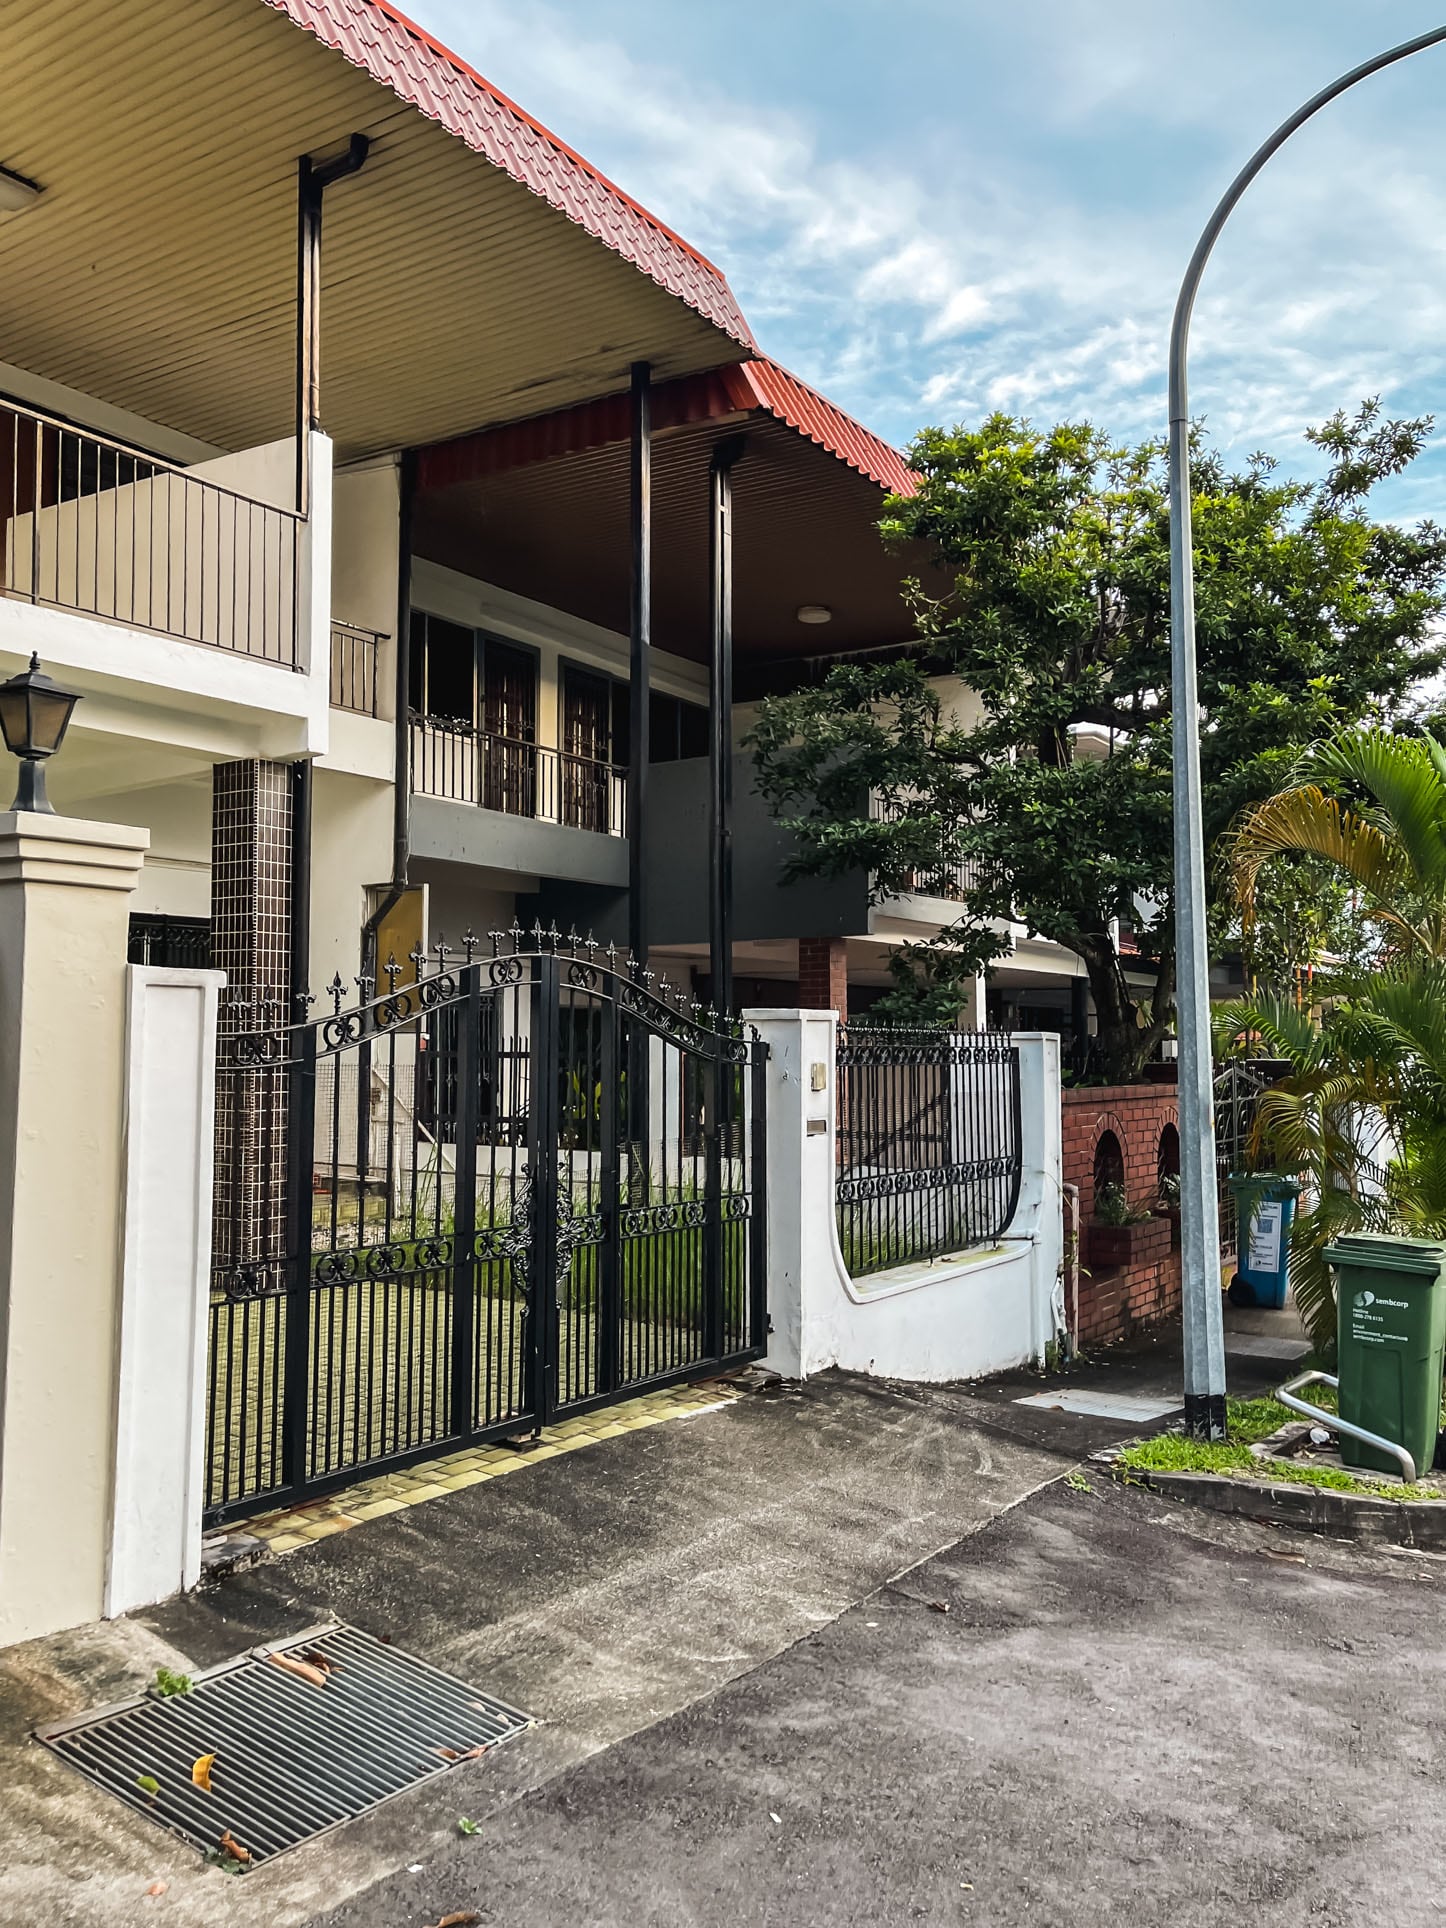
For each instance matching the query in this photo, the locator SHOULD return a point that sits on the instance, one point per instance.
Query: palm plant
(1362, 1115)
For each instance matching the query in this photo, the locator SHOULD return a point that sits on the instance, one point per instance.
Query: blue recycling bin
(1265, 1212)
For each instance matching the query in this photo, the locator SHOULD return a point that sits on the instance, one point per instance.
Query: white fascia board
(466, 599)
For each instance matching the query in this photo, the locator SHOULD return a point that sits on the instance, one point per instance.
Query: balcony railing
(354, 668)
(457, 761)
(950, 879)
(92, 525)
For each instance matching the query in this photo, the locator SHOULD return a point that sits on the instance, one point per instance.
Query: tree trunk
(1122, 1043)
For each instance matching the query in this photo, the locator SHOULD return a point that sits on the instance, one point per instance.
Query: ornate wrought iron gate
(523, 1185)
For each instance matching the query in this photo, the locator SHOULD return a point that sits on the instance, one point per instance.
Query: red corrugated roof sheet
(744, 388)
(823, 422)
(376, 37)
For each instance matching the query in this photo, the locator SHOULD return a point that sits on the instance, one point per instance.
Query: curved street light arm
(1204, 1337)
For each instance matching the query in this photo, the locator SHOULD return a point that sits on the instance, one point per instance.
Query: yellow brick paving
(294, 1526)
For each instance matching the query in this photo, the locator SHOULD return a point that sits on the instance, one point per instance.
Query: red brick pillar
(823, 974)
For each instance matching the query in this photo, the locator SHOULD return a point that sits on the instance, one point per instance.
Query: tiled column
(823, 974)
(251, 943)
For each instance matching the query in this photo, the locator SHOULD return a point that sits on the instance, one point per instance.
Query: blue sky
(938, 207)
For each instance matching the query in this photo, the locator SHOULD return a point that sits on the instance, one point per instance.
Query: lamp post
(1199, 1210)
(34, 716)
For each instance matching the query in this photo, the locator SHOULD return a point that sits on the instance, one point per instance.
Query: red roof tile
(823, 422)
(398, 54)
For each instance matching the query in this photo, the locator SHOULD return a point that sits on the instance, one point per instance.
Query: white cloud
(1025, 256)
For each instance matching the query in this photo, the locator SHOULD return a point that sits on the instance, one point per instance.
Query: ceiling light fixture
(814, 613)
(16, 192)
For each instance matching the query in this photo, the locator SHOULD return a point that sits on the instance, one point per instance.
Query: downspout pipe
(402, 739)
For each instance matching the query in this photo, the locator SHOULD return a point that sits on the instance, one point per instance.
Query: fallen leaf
(148, 1785)
(472, 1754)
(230, 1845)
(303, 1669)
(463, 1918)
(201, 1771)
(314, 1657)
(938, 1606)
(465, 1826)
(156, 1890)
(447, 1753)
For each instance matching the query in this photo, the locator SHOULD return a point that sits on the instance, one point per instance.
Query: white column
(159, 1489)
(65, 889)
(806, 1281)
(1040, 1212)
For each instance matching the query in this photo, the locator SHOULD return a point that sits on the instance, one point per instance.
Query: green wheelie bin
(1391, 1328)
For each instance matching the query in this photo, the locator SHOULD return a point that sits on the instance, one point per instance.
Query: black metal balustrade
(354, 654)
(457, 761)
(93, 525)
(928, 1142)
(949, 878)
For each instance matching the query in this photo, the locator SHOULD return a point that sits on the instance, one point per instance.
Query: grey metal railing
(951, 878)
(93, 525)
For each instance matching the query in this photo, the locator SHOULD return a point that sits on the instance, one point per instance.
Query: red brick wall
(1115, 1301)
(823, 975)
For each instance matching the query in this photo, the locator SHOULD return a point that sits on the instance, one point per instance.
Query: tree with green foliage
(1047, 596)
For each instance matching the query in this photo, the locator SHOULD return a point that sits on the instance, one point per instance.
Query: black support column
(720, 708)
(640, 642)
(313, 178)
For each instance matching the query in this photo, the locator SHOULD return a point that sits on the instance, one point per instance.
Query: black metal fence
(354, 654)
(481, 1200)
(92, 525)
(454, 760)
(928, 1138)
(1240, 1084)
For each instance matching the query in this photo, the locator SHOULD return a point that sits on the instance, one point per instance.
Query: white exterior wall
(934, 1321)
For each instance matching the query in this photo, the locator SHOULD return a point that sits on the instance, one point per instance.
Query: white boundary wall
(935, 1321)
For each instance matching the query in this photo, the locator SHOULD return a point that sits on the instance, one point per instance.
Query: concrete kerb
(1418, 1524)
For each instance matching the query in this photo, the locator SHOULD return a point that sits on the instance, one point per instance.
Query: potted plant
(1111, 1232)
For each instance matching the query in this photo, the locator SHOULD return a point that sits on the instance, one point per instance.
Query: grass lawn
(1247, 1421)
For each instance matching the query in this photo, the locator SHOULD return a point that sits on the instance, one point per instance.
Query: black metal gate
(520, 1186)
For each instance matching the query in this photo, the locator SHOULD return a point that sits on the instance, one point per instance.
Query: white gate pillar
(160, 1436)
(65, 889)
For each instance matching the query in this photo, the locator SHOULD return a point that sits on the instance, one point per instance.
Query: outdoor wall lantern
(34, 716)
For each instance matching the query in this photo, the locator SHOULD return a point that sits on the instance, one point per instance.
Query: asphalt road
(1129, 1713)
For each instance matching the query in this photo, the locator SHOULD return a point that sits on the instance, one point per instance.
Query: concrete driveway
(1127, 1714)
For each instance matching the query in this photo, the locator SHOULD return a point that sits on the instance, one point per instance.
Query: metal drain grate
(292, 1758)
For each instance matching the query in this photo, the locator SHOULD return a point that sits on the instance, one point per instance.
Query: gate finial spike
(591, 947)
(393, 970)
(573, 940)
(443, 950)
(470, 942)
(365, 985)
(495, 939)
(304, 1001)
(611, 954)
(515, 933)
(538, 933)
(417, 957)
(336, 991)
